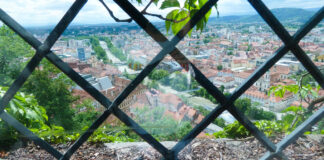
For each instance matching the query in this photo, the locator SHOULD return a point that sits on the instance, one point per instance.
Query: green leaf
(176, 27)
(170, 3)
(314, 93)
(280, 92)
(207, 17)
(155, 2)
(292, 88)
(200, 24)
(172, 16)
(303, 93)
(216, 7)
(13, 107)
(201, 3)
(190, 4)
(293, 109)
(30, 114)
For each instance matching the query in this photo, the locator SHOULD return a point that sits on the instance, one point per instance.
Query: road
(110, 56)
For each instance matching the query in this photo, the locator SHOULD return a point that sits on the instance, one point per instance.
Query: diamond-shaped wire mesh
(226, 103)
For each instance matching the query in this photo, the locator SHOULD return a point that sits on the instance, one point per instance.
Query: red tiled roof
(191, 112)
(224, 79)
(169, 98)
(199, 118)
(243, 75)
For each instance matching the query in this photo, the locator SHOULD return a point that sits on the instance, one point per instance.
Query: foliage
(135, 65)
(113, 49)
(52, 90)
(159, 125)
(244, 105)
(86, 115)
(234, 130)
(237, 130)
(218, 121)
(249, 47)
(129, 76)
(153, 84)
(179, 16)
(179, 81)
(13, 50)
(105, 134)
(269, 128)
(295, 115)
(202, 92)
(219, 67)
(207, 39)
(25, 109)
(158, 74)
(99, 51)
(320, 126)
(304, 91)
(260, 114)
(53, 134)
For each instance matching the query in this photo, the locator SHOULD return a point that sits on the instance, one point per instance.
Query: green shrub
(237, 130)
(57, 134)
(26, 110)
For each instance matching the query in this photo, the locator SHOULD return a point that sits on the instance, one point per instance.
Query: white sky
(49, 12)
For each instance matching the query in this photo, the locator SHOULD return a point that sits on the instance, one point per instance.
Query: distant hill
(283, 14)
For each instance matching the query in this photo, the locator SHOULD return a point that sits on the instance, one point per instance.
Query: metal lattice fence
(43, 50)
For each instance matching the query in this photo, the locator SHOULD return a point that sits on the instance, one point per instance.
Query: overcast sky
(49, 12)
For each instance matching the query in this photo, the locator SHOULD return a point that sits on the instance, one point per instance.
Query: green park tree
(158, 74)
(13, 55)
(52, 90)
(219, 67)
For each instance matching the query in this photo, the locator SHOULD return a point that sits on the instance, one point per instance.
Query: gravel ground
(306, 148)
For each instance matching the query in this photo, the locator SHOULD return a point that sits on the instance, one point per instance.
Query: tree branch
(313, 103)
(166, 19)
(144, 12)
(112, 14)
(145, 8)
(307, 99)
(294, 121)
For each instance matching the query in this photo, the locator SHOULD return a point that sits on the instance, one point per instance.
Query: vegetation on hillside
(51, 88)
(99, 51)
(14, 52)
